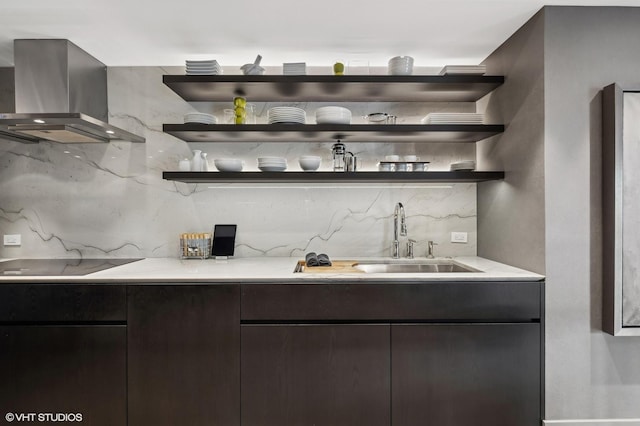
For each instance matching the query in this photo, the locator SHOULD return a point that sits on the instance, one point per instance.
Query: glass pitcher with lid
(339, 151)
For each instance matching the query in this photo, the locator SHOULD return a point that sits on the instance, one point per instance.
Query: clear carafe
(339, 152)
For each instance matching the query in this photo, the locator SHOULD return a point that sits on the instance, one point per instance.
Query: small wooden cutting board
(337, 267)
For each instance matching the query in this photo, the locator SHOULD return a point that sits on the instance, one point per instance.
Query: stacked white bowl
(286, 115)
(272, 164)
(401, 65)
(333, 115)
(228, 164)
(200, 118)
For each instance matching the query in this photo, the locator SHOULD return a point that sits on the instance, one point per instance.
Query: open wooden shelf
(330, 88)
(332, 177)
(332, 132)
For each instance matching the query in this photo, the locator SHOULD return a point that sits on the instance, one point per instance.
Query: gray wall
(589, 374)
(511, 212)
(553, 164)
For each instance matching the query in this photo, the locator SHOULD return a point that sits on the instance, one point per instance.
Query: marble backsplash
(109, 200)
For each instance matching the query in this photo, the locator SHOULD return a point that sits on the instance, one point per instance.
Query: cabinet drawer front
(466, 374)
(482, 301)
(184, 355)
(74, 370)
(315, 375)
(62, 303)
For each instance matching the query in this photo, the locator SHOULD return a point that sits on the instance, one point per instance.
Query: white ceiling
(162, 32)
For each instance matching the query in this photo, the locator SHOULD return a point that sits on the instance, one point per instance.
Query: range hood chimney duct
(60, 95)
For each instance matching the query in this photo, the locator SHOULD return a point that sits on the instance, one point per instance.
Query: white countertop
(273, 269)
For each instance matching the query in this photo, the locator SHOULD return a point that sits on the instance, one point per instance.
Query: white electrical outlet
(13, 240)
(459, 237)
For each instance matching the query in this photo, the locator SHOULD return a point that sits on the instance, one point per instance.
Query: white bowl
(401, 65)
(333, 110)
(309, 163)
(333, 119)
(228, 164)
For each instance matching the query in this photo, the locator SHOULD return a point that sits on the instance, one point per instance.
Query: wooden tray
(337, 267)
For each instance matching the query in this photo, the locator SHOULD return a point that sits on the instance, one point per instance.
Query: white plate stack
(294, 68)
(463, 166)
(453, 118)
(200, 118)
(272, 164)
(333, 115)
(286, 115)
(464, 69)
(206, 67)
(401, 65)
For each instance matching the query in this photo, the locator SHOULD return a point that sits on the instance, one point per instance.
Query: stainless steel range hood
(60, 96)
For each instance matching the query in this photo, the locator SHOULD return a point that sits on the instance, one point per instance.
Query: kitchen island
(251, 342)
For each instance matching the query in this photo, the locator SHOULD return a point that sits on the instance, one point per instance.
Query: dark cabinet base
(448, 354)
(64, 371)
(184, 355)
(315, 375)
(466, 374)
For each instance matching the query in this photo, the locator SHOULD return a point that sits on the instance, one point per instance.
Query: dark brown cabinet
(449, 354)
(63, 354)
(461, 374)
(263, 354)
(184, 355)
(319, 375)
(77, 372)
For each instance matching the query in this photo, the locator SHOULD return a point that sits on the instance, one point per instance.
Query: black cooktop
(58, 267)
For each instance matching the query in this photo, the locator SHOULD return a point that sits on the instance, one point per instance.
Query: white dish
(272, 163)
(200, 118)
(463, 69)
(273, 168)
(200, 115)
(400, 65)
(333, 120)
(333, 109)
(309, 163)
(202, 65)
(203, 73)
(199, 61)
(333, 115)
(296, 68)
(228, 164)
(463, 166)
(273, 118)
(453, 118)
(196, 121)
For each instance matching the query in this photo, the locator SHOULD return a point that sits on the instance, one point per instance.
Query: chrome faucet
(430, 245)
(398, 216)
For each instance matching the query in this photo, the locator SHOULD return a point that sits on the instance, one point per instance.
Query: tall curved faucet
(399, 221)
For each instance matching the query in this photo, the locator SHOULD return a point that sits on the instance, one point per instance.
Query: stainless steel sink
(421, 267)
